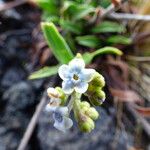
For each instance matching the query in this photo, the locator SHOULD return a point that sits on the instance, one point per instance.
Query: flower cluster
(77, 80)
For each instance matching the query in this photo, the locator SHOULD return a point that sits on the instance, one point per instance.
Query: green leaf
(82, 11)
(106, 50)
(48, 17)
(70, 26)
(71, 42)
(105, 3)
(119, 39)
(57, 43)
(47, 5)
(89, 41)
(108, 26)
(44, 72)
(77, 11)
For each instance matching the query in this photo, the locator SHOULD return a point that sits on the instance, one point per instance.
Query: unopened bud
(98, 81)
(87, 125)
(84, 104)
(79, 55)
(97, 97)
(92, 113)
(101, 95)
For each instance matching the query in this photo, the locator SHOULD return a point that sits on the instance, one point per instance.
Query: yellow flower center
(75, 77)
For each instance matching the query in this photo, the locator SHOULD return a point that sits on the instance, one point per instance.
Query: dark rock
(12, 129)
(19, 97)
(14, 45)
(12, 75)
(9, 141)
(9, 24)
(101, 138)
(37, 84)
(3, 63)
(17, 43)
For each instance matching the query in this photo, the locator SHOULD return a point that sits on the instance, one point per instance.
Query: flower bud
(98, 81)
(78, 55)
(92, 113)
(101, 95)
(97, 97)
(84, 104)
(86, 125)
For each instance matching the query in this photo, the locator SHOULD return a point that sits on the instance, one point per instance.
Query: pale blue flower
(75, 76)
(61, 117)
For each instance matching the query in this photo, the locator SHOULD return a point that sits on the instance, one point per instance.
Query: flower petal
(77, 63)
(52, 93)
(81, 87)
(50, 108)
(64, 125)
(87, 75)
(63, 111)
(67, 87)
(55, 101)
(63, 72)
(67, 122)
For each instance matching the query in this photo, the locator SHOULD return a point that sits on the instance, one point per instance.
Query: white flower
(61, 117)
(54, 96)
(75, 76)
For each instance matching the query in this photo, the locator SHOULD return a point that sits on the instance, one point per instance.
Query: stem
(124, 16)
(76, 103)
(32, 123)
(70, 104)
(75, 97)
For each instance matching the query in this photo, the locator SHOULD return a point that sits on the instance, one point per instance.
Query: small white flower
(61, 117)
(54, 96)
(75, 76)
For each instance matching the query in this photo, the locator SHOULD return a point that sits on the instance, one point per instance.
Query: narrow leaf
(57, 43)
(82, 11)
(44, 72)
(48, 17)
(77, 11)
(70, 26)
(119, 39)
(106, 50)
(108, 26)
(89, 41)
(47, 5)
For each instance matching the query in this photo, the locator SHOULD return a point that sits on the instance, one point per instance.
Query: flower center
(75, 77)
(58, 116)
